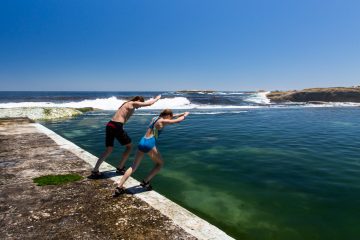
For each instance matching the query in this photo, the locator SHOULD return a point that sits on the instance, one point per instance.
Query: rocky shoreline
(42, 113)
(317, 95)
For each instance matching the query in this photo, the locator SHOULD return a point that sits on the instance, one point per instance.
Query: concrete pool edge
(183, 218)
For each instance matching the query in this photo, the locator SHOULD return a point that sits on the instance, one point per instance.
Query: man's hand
(157, 97)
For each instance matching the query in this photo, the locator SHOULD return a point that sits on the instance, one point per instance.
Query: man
(114, 129)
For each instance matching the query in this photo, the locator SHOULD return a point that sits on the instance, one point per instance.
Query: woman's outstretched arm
(176, 120)
(179, 115)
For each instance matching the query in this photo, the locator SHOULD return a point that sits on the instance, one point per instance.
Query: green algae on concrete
(56, 179)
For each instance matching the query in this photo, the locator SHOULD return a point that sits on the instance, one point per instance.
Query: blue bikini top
(156, 132)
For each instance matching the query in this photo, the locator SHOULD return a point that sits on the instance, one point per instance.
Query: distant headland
(317, 95)
(196, 91)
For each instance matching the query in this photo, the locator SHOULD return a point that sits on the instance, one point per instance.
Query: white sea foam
(101, 103)
(334, 104)
(216, 113)
(259, 98)
(195, 113)
(173, 103)
(111, 103)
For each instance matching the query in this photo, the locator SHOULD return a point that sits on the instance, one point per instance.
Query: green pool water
(291, 173)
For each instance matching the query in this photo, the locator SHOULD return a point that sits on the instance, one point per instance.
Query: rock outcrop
(318, 95)
(42, 113)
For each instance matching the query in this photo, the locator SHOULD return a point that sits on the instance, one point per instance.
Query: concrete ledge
(186, 220)
(8, 120)
(82, 209)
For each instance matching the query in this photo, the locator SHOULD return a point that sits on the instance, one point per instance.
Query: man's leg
(125, 155)
(102, 158)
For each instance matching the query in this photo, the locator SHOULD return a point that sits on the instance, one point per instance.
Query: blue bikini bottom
(146, 144)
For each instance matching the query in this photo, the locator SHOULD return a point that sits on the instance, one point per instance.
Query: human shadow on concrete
(136, 189)
(104, 175)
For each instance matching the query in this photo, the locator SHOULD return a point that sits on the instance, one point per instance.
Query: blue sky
(180, 44)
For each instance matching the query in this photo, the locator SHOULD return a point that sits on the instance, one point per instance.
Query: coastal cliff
(317, 95)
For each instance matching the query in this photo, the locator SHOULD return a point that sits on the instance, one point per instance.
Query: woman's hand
(186, 114)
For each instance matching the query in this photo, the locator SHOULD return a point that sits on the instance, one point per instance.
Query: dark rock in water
(316, 102)
(317, 95)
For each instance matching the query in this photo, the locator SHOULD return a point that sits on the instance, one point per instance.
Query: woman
(147, 145)
(114, 129)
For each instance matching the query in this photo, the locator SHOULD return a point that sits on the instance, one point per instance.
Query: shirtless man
(114, 129)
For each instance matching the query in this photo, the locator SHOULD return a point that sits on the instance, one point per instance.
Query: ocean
(254, 169)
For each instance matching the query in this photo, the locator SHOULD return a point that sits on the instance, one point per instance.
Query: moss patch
(47, 111)
(56, 179)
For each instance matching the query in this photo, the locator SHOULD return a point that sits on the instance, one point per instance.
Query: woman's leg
(102, 158)
(125, 155)
(132, 169)
(159, 163)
